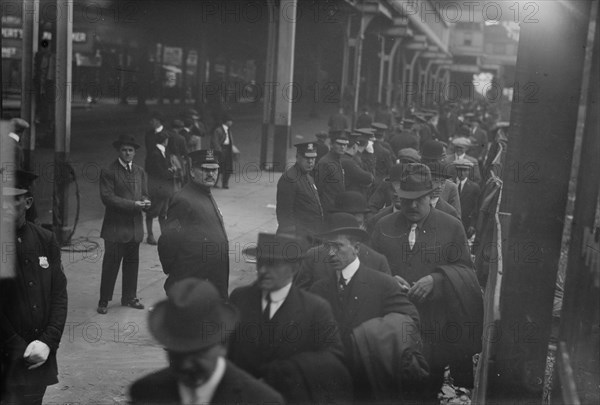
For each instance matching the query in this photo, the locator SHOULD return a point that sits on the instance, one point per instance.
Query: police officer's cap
(206, 158)
(23, 180)
(306, 149)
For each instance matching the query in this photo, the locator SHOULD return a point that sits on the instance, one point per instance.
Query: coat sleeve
(58, 299)
(111, 199)
(356, 174)
(215, 141)
(286, 195)
(454, 199)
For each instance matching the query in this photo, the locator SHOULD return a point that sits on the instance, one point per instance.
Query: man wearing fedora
(316, 266)
(441, 173)
(469, 192)
(435, 151)
(33, 302)
(321, 144)
(329, 173)
(418, 240)
(194, 243)
(222, 142)
(298, 209)
(355, 292)
(461, 146)
(193, 325)
(287, 336)
(124, 193)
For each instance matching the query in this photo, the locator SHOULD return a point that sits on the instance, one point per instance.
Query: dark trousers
(114, 253)
(23, 395)
(226, 164)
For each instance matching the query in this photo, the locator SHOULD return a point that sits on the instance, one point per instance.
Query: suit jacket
(322, 150)
(450, 195)
(314, 266)
(119, 190)
(370, 294)
(447, 208)
(303, 324)
(441, 206)
(440, 240)
(469, 199)
(298, 208)
(329, 178)
(475, 174)
(384, 160)
(150, 138)
(236, 387)
(218, 137)
(33, 307)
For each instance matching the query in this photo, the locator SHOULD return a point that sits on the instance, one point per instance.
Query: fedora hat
(433, 150)
(21, 184)
(125, 140)
(415, 181)
(342, 223)
(276, 247)
(409, 155)
(351, 202)
(193, 317)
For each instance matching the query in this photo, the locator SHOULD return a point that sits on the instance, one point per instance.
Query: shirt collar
(124, 164)
(161, 147)
(225, 127)
(350, 270)
(434, 201)
(463, 181)
(159, 129)
(14, 136)
(204, 393)
(281, 294)
(461, 156)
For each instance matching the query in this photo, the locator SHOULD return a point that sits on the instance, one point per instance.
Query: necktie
(460, 184)
(267, 311)
(412, 236)
(128, 167)
(341, 288)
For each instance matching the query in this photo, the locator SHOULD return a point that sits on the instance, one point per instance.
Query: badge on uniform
(44, 262)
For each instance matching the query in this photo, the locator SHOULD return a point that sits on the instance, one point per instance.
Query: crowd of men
(366, 293)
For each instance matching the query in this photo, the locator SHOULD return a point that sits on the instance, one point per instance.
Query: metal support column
(30, 18)
(391, 68)
(269, 85)
(346, 60)
(62, 116)
(364, 22)
(383, 59)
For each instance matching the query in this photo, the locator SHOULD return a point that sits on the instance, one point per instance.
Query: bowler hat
(193, 317)
(204, 157)
(351, 202)
(440, 170)
(125, 140)
(23, 180)
(415, 181)
(276, 247)
(433, 150)
(342, 223)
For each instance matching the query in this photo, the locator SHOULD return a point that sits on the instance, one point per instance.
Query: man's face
(126, 153)
(338, 148)
(195, 368)
(462, 173)
(229, 123)
(154, 123)
(14, 209)
(459, 150)
(205, 175)
(414, 209)
(306, 163)
(438, 187)
(342, 251)
(273, 275)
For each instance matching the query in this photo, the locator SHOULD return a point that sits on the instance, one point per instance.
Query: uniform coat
(355, 177)
(329, 178)
(314, 265)
(33, 307)
(298, 208)
(195, 243)
(236, 387)
(264, 354)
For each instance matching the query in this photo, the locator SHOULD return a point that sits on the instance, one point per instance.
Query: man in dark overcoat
(222, 142)
(287, 336)
(329, 174)
(193, 325)
(124, 193)
(33, 303)
(299, 210)
(469, 192)
(194, 243)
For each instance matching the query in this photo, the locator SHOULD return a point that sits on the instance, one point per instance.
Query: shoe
(151, 240)
(102, 307)
(133, 303)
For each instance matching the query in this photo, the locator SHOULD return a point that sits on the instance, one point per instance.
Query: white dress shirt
(204, 393)
(277, 298)
(162, 149)
(226, 129)
(350, 270)
(14, 136)
(126, 166)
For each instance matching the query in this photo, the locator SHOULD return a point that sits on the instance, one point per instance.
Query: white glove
(36, 354)
(369, 147)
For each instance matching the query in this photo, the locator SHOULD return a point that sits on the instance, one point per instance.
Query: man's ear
(28, 202)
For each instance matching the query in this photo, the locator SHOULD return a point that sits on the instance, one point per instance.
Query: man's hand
(36, 354)
(421, 290)
(404, 285)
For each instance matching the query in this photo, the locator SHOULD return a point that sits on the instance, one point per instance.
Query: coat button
(31, 284)
(26, 261)
(34, 306)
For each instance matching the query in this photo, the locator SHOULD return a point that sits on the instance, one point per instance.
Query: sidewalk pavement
(100, 355)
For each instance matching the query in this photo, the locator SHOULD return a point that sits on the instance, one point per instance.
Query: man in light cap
(194, 243)
(461, 146)
(428, 252)
(329, 174)
(33, 303)
(299, 210)
(193, 325)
